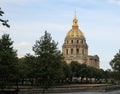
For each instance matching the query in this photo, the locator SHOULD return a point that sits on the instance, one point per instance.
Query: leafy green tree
(84, 72)
(107, 75)
(99, 75)
(26, 66)
(90, 71)
(79, 70)
(75, 67)
(23, 70)
(115, 62)
(4, 22)
(30, 62)
(67, 72)
(49, 59)
(8, 61)
(115, 77)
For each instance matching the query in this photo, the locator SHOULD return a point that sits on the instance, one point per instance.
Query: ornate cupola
(75, 32)
(75, 47)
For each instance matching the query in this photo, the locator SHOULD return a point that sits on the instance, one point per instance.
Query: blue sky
(99, 20)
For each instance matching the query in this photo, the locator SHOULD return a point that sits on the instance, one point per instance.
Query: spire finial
(75, 15)
(75, 21)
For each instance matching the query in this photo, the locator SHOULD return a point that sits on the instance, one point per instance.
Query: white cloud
(22, 44)
(17, 2)
(3, 29)
(92, 1)
(13, 1)
(117, 2)
(23, 48)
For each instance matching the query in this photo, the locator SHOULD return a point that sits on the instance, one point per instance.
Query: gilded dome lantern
(75, 32)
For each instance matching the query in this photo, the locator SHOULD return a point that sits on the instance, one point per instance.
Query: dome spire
(75, 21)
(75, 15)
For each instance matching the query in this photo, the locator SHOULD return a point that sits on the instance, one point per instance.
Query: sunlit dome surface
(75, 32)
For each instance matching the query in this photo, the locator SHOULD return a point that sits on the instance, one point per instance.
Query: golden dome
(75, 32)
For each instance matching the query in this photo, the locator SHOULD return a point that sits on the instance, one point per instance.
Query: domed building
(75, 47)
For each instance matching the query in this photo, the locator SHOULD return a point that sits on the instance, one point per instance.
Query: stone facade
(75, 47)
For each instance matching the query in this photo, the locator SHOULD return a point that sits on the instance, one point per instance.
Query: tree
(23, 70)
(26, 66)
(90, 71)
(49, 59)
(75, 67)
(115, 62)
(83, 72)
(115, 77)
(4, 22)
(8, 61)
(67, 73)
(30, 62)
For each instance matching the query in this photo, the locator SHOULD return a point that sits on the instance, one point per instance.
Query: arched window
(67, 41)
(77, 41)
(71, 51)
(66, 51)
(77, 51)
(82, 41)
(83, 51)
(71, 41)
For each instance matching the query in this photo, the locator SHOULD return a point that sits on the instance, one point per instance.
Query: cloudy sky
(98, 19)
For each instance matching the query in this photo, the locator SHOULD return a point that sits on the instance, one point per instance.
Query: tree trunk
(43, 92)
(17, 87)
(22, 81)
(81, 80)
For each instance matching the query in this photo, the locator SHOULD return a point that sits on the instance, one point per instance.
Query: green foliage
(75, 68)
(49, 59)
(4, 22)
(115, 62)
(83, 71)
(48, 67)
(8, 60)
(23, 69)
(66, 70)
(26, 66)
(30, 62)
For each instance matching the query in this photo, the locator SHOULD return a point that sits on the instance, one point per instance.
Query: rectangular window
(77, 51)
(77, 41)
(71, 41)
(83, 51)
(71, 51)
(66, 51)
